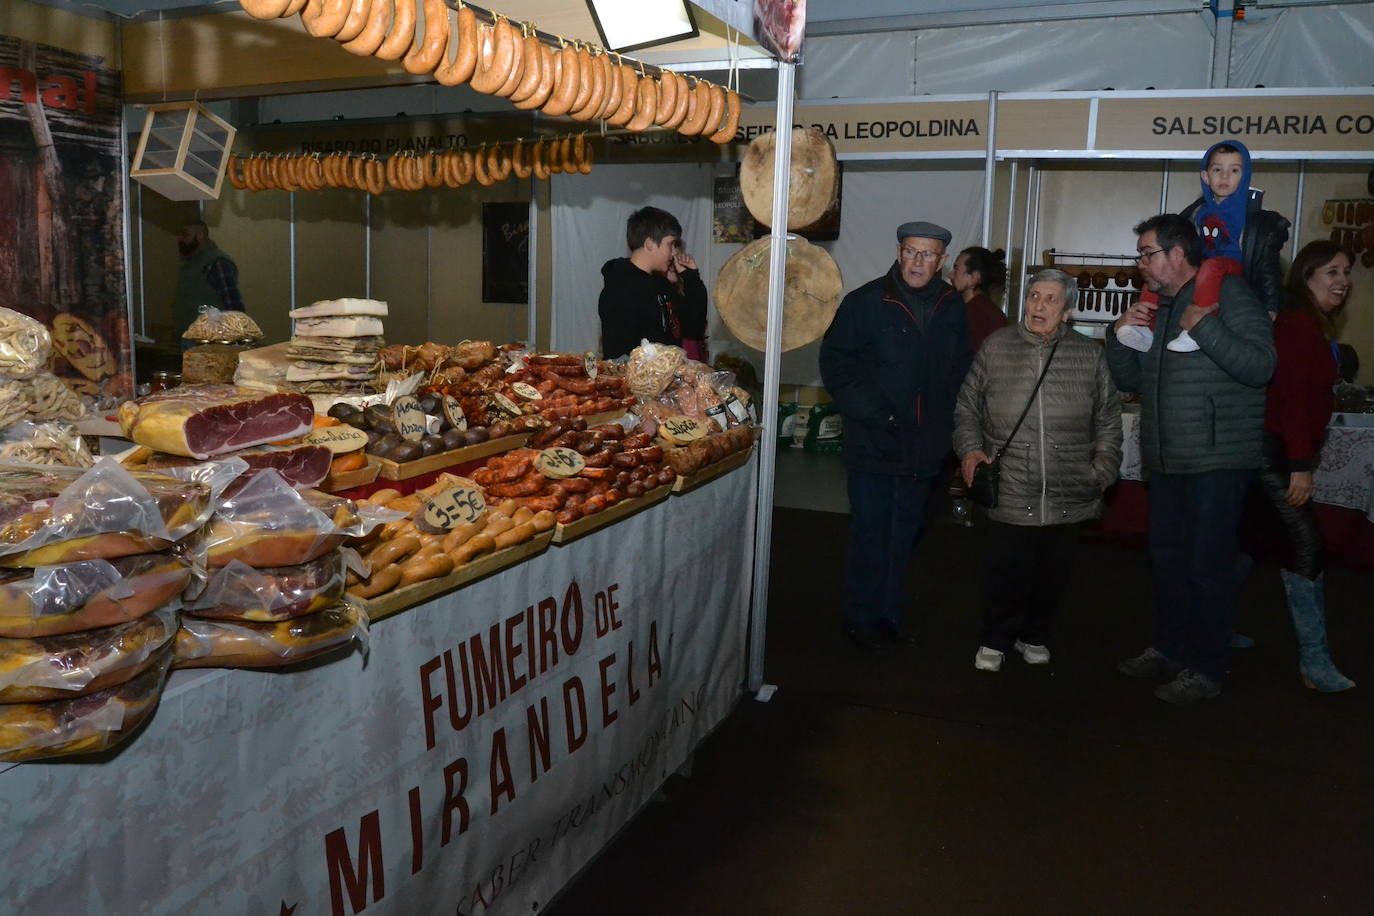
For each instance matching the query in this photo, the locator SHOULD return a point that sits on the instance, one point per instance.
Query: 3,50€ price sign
(454, 506)
(559, 463)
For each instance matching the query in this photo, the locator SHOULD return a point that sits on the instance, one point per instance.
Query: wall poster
(62, 259)
(506, 252)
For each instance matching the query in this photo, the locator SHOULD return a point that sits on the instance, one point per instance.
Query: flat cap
(923, 230)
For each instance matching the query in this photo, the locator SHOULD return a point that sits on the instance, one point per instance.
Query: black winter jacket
(894, 379)
(1266, 232)
(633, 308)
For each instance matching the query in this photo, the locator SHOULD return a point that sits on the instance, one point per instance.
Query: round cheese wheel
(811, 293)
(814, 178)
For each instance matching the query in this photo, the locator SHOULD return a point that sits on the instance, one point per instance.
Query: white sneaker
(1034, 655)
(1183, 343)
(1136, 336)
(988, 659)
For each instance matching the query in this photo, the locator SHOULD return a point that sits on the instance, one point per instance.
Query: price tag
(505, 404)
(716, 413)
(589, 364)
(559, 463)
(527, 391)
(338, 439)
(681, 430)
(453, 411)
(455, 506)
(408, 418)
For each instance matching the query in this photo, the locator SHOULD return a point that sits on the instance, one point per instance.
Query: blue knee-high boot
(1306, 603)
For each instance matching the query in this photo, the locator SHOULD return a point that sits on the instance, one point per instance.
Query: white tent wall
(858, 66)
(1308, 46)
(589, 213)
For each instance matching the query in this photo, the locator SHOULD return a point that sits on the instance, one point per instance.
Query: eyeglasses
(1146, 255)
(912, 254)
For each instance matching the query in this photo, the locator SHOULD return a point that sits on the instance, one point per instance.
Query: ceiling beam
(1098, 10)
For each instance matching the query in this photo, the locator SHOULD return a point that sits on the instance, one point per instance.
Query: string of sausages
(512, 61)
(409, 171)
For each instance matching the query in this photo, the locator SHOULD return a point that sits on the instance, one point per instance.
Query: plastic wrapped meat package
(269, 524)
(84, 724)
(88, 594)
(58, 514)
(237, 591)
(236, 644)
(62, 667)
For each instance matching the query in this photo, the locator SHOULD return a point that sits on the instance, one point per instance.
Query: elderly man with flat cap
(893, 361)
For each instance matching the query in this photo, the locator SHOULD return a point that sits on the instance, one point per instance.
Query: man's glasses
(913, 254)
(1146, 255)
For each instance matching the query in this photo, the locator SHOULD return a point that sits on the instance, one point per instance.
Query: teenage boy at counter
(655, 294)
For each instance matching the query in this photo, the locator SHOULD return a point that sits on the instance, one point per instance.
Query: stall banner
(62, 256)
(488, 745)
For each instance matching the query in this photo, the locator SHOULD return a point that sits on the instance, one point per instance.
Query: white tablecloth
(1345, 476)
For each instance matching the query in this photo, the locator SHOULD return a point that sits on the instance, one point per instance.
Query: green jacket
(1204, 410)
(1068, 450)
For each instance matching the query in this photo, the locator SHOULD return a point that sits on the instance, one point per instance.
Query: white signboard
(488, 745)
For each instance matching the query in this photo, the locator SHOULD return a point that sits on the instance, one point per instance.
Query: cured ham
(204, 421)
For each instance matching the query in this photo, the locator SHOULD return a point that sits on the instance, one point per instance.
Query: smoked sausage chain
(535, 70)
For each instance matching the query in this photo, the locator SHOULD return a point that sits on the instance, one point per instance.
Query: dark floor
(915, 784)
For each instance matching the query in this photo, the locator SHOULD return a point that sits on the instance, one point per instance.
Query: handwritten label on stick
(408, 418)
(455, 506)
(505, 404)
(681, 430)
(338, 439)
(559, 463)
(453, 411)
(527, 391)
(590, 365)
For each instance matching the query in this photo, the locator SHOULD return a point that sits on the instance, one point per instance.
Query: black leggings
(1300, 523)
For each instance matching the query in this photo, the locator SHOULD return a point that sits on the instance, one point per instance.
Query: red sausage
(576, 485)
(593, 505)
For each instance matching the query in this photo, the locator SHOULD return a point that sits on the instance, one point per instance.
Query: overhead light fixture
(627, 25)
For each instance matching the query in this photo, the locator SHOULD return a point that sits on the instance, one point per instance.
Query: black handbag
(987, 477)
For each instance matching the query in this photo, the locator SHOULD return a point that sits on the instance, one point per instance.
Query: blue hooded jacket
(1221, 225)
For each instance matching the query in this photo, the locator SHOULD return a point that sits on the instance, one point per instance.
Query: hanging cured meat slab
(815, 178)
(811, 293)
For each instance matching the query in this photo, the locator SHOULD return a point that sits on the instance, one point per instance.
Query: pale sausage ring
(533, 72)
(357, 19)
(537, 164)
(265, 9)
(366, 42)
(425, 54)
(517, 160)
(727, 130)
(628, 82)
(560, 102)
(516, 72)
(646, 102)
(232, 170)
(667, 98)
(479, 167)
(463, 47)
(329, 16)
(402, 31)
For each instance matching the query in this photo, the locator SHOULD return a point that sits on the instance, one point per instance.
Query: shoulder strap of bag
(1034, 391)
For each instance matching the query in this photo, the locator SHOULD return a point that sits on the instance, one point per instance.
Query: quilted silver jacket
(1068, 450)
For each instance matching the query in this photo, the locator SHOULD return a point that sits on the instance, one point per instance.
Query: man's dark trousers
(1193, 533)
(886, 515)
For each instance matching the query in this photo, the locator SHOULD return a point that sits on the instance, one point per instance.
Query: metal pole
(367, 246)
(1297, 208)
(989, 168)
(1164, 189)
(531, 302)
(1026, 240)
(291, 242)
(1221, 44)
(142, 270)
(429, 270)
(1011, 210)
(772, 375)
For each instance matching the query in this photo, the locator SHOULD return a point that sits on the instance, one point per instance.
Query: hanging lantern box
(183, 151)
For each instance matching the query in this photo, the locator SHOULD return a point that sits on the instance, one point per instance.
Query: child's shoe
(1136, 336)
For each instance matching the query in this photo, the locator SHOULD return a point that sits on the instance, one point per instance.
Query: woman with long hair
(1297, 410)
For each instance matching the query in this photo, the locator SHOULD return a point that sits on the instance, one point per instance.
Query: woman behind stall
(1066, 452)
(1296, 412)
(976, 271)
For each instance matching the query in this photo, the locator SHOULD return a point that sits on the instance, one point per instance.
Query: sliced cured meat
(62, 667)
(299, 465)
(220, 644)
(89, 594)
(203, 421)
(54, 515)
(239, 592)
(84, 725)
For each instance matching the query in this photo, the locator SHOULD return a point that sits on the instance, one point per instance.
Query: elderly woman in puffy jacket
(1053, 472)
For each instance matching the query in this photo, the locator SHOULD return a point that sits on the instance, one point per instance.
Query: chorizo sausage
(550, 502)
(560, 102)
(462, 48)
(402, 32)
(625, 460)
(727, 130)
(613, 496)
(594, 504)
(549, 68)
(646, 102)
(638, 440)
(649, 453)
(357, 19)
(576, 485)
(601, 459)
(512, 469)
(424, 55)
(530, 486)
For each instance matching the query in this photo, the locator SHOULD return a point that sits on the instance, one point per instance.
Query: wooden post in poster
(772, 377)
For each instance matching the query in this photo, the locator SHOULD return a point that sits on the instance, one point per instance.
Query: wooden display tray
(399, 599)
(562, 534)
(712, 471)
(392, 470)
(347, 480)
(609, 416)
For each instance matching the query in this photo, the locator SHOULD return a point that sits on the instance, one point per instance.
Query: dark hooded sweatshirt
(636, 305)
